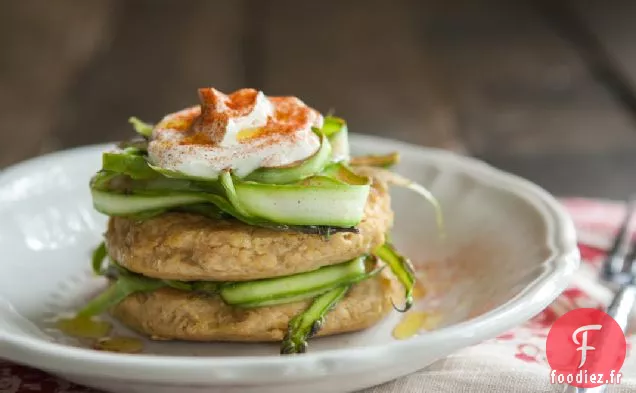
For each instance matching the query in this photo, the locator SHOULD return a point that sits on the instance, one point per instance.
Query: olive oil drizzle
(96, 333)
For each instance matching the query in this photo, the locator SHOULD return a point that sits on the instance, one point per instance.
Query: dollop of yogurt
(242, 131)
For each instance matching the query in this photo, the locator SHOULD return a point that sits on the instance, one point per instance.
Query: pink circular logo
(586, 348)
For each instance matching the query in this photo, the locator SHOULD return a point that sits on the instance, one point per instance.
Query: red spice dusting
(210, 121)
(290, 115)
(199, 138)
(206, 126)
(182, 120)
(241, 101)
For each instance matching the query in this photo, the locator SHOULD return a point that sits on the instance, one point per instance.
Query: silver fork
(619, 271)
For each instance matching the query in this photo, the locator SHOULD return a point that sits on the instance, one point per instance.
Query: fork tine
(630, 260)
(616, 256)
(629, 267)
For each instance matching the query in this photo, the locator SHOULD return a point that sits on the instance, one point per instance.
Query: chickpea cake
(246, 219)
(182, 246)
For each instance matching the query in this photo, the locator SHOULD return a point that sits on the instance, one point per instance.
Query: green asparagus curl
(309, 322)
(99, 255)
(402, 269)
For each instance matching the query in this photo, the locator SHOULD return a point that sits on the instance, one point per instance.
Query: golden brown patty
(183, 246)
(172, 314)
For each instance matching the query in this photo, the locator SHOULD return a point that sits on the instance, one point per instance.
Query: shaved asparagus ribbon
(400, 265)
(143, 206)
(144, 129)
(402, 269)
(132, 165)
(383, 161)
(301, 286)
(333, 125)
(393, 178)
(336, 199)
(140, 144)
(247, 294)
(309, 322)
(231, 195)
(125, 286)
(309, 167)
(99, 255)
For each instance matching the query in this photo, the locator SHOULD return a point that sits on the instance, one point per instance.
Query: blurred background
(539, 88)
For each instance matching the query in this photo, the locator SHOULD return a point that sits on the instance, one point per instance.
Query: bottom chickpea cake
(170, 314)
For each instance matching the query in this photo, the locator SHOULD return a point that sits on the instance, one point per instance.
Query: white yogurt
(242, 131)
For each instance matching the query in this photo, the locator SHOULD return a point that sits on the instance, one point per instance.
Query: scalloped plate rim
(225, 370)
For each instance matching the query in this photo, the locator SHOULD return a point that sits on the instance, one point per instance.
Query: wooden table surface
(542, 89)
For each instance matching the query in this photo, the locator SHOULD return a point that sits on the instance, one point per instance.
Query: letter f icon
(583, 344)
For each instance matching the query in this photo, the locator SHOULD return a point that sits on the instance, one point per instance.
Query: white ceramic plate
(509, 251)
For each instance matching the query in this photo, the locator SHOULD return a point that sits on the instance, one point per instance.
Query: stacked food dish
(244, 218)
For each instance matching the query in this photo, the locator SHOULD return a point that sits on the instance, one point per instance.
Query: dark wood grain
(159, 54)
(370, 64)
(595, 175)
(492, 78)
(522, 90)
(44, 46)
